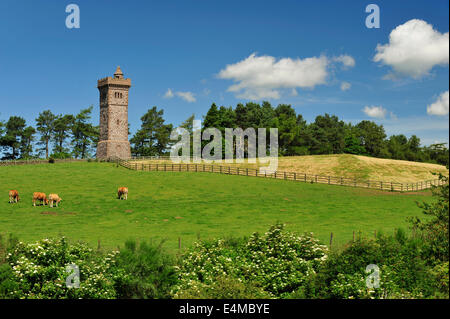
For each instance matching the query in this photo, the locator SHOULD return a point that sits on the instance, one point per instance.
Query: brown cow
(37, 196)
(13, 196)
(122, 193)
(54, 199)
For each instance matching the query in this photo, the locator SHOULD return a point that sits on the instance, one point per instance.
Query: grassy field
(187, 205)
(353, 166)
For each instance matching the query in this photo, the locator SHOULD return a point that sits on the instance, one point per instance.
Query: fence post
(179, 243)
(331, 238)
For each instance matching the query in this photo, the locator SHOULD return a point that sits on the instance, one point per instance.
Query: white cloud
(259, 77)
(169, 94)
(440, 106)
(346, 60)
(187, 96)
(378, 112)
(345, 86)
(414, 48)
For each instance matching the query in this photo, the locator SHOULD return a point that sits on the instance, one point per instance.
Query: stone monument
(113, 142)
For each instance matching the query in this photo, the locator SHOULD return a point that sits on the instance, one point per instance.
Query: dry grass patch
(344, 165)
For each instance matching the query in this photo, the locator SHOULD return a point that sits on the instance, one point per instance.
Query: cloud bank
(260, 77)
(345, 86)
(378, 112)
(187, 96)
(414, 48)
(440, 106)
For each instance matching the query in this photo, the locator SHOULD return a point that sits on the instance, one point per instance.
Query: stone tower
(113, 142)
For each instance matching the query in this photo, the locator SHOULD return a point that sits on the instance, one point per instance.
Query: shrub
(277, 263)
(224, 287)
(440, 275)
(147, 271)
(39, 271)
(435, 231)
(51, 160)
(403, 273)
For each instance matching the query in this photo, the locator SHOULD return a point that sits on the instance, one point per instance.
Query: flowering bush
(39, 270)
(277, 262)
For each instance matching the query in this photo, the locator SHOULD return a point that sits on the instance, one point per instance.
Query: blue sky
(201, 49)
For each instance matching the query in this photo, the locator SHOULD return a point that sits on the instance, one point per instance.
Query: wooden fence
(39, 161)
(292, 176)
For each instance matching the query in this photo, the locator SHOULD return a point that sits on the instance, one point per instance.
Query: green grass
(186, 205)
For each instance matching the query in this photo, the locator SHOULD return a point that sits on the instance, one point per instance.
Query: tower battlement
(113, 141)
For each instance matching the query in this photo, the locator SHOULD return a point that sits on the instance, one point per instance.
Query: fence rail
(292, 176)
(39, 161)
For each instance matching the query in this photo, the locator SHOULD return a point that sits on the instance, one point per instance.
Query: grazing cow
(13, 196)
(54, 199)
(37, 196)
(122, 193)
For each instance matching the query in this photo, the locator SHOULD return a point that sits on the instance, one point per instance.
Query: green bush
(403, 273)
(39, 271)
(223, 287)
(277, 262)
(147, 272)
(435, 231)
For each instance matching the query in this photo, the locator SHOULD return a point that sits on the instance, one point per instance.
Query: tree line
(326, 135)
(63, 136)
(57, 136)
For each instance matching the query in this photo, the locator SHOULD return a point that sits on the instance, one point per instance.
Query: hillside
(188, 205)
(353, 166)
